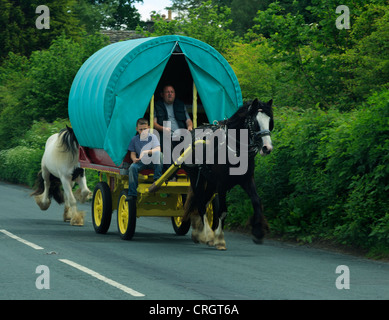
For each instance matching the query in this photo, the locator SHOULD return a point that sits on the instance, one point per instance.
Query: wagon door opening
(178, 74)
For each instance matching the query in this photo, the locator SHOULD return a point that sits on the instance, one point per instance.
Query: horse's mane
(236, 119)
(267, 109)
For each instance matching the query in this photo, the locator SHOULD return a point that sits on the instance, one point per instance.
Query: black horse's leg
(222, 204)
(201, 231)
(207, 235)
(220, 243)
(258, 222)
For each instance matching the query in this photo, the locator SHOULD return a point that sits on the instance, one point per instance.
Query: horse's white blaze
(264, 122)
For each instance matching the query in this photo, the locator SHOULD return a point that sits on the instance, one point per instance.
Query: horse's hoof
(257, 240)
(221, 247)
(194, 239)
(77, 223)
(66, 215)
(78, 220)
(42, 204)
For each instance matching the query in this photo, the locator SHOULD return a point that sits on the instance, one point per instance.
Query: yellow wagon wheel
(101, 208)
(213, 206)
(126, 216)
(180, 226)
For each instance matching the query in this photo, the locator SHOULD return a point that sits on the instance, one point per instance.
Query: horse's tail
(39, 185)
(55, 190)
(69, 141)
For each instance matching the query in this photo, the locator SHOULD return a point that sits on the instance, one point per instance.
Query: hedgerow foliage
(21, 164)
(328, 176)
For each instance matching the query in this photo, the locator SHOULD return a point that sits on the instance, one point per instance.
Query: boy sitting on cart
(143, 147)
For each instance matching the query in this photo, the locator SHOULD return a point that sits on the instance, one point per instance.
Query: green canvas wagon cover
(114, 86)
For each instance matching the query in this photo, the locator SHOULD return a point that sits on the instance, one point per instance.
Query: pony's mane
(268, 110)
(237, 117)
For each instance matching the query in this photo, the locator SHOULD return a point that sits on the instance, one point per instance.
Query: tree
(207, 23)
(334, 67)
(243, 13)
(38, 87)
(111, 14)
(18, 32)
(366, 65)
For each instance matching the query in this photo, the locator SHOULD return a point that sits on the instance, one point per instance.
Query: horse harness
(255, 137)
(254, 144)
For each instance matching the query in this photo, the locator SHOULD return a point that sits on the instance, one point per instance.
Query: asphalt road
(157, 264)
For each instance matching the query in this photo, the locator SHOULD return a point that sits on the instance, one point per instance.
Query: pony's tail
(55, 190)
(69, 141)
(39, 185)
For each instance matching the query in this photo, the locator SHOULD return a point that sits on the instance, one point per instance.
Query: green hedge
(328, 176)
(22, 163)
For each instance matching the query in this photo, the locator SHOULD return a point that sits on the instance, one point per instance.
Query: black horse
(255, 121)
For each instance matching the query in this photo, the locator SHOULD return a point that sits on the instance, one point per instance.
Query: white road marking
(28, 243)
(102, 278)
(78, 266)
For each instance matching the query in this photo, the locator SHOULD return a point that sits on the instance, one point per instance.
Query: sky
(152, 5)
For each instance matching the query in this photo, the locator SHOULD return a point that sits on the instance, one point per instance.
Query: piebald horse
(60, 166)
(255, 119)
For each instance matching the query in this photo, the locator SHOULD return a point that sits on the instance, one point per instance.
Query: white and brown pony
(60, 166)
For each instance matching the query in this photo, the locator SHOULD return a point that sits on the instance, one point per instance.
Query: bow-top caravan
(119, 84)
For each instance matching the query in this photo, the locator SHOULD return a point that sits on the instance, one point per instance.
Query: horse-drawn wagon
(116, 86)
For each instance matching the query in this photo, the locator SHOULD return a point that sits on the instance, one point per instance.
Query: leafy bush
(22, 163)
(18, 165)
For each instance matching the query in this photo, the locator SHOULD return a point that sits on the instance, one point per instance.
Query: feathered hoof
(210, 243)
(89, 195)
(67, 215)
(78, 219)
(257, 240)
(83, 196)
(195, 239)
(43, 205)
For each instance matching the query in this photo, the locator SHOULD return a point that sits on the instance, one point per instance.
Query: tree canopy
(19, 34)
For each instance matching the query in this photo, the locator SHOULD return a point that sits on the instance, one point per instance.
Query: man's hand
(143, 153)
(167, 130)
